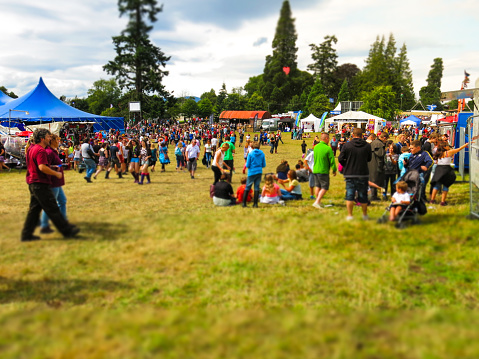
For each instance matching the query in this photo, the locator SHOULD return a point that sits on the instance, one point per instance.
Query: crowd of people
(370, 164)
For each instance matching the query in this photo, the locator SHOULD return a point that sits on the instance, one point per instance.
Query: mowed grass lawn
(159, 272)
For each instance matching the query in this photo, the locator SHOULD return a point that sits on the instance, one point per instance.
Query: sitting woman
(271, 192)
(223, 193)
(282, 170)
(292, 188)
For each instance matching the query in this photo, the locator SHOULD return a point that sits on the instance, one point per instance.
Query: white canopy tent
(408, 123)
(358, 119)
(310, 124)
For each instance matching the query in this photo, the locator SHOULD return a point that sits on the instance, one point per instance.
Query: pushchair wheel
(382, 219)
(400, 225)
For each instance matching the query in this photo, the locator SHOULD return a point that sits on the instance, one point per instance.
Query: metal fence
(473, 166)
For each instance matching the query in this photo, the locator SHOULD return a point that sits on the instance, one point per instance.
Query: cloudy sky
(216, 41)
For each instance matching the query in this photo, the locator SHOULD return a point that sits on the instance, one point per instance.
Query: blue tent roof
(4, 98)
(411, 118)
(43, 106)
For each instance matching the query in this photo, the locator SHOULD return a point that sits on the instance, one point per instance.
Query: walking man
(41, 196)
(323, 163)
(88, 155)
(229, 156)
(192, 154)
(354, 158)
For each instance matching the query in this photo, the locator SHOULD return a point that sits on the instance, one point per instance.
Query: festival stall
(359, 119)
(311, 124)
(410, 121)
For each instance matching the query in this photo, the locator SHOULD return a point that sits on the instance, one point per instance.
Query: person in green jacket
(324, 162)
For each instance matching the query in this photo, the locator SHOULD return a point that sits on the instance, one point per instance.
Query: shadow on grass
(54, 292)
(100, 230)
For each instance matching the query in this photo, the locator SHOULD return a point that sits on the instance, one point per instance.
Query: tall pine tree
(385, 68)
(431, 94)
(325, 63)
(138, 63)
(278, 87)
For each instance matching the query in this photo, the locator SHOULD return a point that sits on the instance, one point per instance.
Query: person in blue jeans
(293, 189)
(56, 184)
(87, 153)
(255, 163)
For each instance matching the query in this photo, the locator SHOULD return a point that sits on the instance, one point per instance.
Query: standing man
(114, 161)
(41, 196)
(377, 163)
(323, 163)
(88, 155)
(255, 163)
(354, 158)
(229, 155)
(192, 154)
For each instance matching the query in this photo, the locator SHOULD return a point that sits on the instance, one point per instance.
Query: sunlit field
(159, 272)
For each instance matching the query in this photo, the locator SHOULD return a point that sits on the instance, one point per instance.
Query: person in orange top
(240, 192)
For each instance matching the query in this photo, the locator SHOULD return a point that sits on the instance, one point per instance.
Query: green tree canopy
(344, 94)
(8, 93)
(325, 63)
(385, 68)
(381, 102)
(256, 103)
(138, 63)
(317, 102)
(278, 87)
(205, 108)
(431, 93)
(102, 95)
(189, 108)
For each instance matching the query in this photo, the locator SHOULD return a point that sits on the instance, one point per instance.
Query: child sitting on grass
(400, 199)
(271, 192)
(240, 192)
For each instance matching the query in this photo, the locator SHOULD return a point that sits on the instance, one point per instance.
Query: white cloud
(68, 42)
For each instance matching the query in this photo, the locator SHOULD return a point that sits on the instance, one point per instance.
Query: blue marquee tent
(412, 118)
(44, 107)
(4, 98)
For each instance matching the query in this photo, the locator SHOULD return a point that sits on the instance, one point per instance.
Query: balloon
(286, 70)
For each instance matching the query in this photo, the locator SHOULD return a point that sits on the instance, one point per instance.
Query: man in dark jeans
(41, 195)
(354, 158)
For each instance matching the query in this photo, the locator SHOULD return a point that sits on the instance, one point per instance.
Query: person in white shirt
(400, 200)
(214, 144)
(309, 165)
(192, 154)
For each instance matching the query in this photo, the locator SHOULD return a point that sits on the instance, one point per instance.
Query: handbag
(203, 161)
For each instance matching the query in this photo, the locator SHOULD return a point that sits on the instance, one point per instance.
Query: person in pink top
(271, 191)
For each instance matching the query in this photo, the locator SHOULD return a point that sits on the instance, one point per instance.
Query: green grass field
(159, 272)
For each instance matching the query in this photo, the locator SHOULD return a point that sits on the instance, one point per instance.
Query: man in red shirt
(41, 196)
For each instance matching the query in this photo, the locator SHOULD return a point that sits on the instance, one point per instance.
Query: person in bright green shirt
(229, 155)
(324, 162)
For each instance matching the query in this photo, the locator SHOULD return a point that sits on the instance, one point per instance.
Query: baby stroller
(417, 205)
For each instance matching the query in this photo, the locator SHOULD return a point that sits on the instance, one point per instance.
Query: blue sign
(331, 100)
(431, 107)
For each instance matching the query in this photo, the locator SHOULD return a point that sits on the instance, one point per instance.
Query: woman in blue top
(164, 159)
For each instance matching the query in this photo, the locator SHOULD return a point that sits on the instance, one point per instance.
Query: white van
(271, 124)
